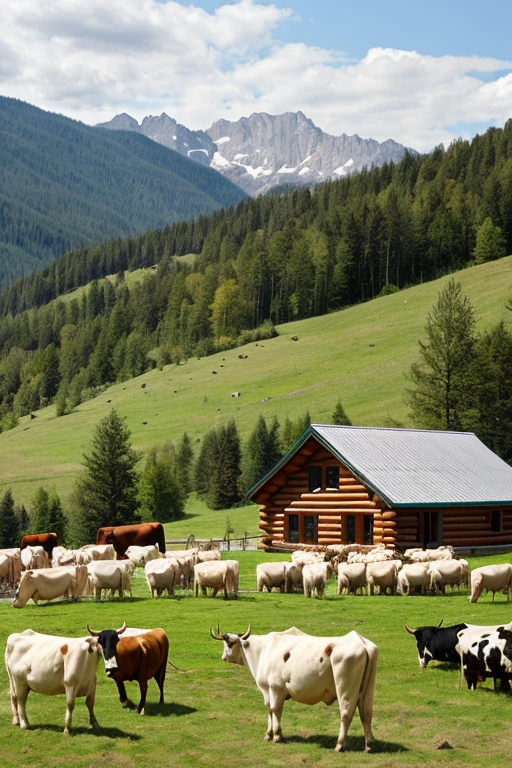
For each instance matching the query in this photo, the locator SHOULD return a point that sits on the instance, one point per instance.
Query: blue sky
(422, 73)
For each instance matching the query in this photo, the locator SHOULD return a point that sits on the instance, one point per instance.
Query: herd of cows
(284, 665)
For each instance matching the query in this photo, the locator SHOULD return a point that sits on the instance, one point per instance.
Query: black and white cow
(436, 643)
(486, 652)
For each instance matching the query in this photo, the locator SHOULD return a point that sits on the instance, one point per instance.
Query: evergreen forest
(64, 185)
(285, 256)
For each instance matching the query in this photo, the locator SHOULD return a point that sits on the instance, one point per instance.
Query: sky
(422, 73)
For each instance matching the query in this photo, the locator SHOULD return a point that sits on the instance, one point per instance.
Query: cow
(493, 578)
(486, 652)
(51, 665)
(351, 576)
(109, 575)
(138, 658)
(381, 574)
(207, 555)
(417, 555)
(436, 643)
(123, 536)
(10, 566)
(45, 540)
(142, 555)
(34, 557)
(308, 669)
(303, 557)
(315, 578)
(271, 575)
(99, 552)
(162, 575)
(216, 575)
(49, 583)
(294, 581)
(413, 576)
(444, 573)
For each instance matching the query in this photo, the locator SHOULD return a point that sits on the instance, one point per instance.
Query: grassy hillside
(360, 355)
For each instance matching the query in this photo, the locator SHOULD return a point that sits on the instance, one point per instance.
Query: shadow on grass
(445, 666)
(172, 709)
(109, 733)
(352, 743)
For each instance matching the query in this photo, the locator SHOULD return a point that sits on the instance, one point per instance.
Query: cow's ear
(64, 649)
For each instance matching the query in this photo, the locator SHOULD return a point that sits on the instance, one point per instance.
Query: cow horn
(440, 623)
(409, 629)
(120, 631)
(216, 635)
(246, 633)
(92, 632)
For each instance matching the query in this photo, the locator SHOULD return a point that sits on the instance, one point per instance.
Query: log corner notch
(384, 524)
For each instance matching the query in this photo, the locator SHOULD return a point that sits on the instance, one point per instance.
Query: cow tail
(367, 689)
(161, 540)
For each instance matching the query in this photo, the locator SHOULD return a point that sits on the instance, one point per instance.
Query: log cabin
(398, 487)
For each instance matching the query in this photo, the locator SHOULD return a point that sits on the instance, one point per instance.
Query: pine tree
(160, 493)
(490, 243)
(339, 416)
(40, 515)
(443, 393)
(23, 520)
(9, 529)
(261, 452)
(205, 464)
(185, 458)
(106, 492)
(56, 517)
(224, 489)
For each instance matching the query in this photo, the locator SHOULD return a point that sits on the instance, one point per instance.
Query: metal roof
(415, 467)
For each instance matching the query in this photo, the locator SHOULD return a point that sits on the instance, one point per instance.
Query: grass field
(214, 713)
(360, 355)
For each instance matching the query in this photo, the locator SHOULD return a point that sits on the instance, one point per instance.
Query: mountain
(64, 185)
(264, 151)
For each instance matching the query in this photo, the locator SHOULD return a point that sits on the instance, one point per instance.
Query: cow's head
(424, 637)
(108, 640)
(233, 644)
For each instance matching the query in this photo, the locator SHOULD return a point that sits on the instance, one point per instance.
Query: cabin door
(432, 529)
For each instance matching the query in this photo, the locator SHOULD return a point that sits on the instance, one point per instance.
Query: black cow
(436, 644)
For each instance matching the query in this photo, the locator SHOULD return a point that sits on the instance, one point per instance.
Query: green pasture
(360, 354)
(214, 714)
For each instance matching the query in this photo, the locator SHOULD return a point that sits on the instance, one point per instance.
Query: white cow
(382, 575)
(34, 557)
(163, 574)
(308, 669)
(10, 566)
(99, 552)
(351, 576)
(413, 576)
(444, 573)
(49, 583)
(271, 575)
(109, 575)
(315, 578)
(207, 555)
(493, 578)
(142, 555)
(216, 575)
(51, 665)
(304, 557)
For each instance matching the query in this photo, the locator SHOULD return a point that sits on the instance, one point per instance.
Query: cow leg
(275, 710)
(160, 679)
(18, 702)
(70, 705)
(89, 703)
(143, 685)
(123, 698)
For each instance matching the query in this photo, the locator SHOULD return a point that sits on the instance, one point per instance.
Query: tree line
(111, 490)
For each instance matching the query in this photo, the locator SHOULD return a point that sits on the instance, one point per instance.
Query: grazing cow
(351, 576)
(493, 578)
(381, 574)
(142, 555)
(445, 552)
(271, 575)
(315, 578)
(123, 536)
(10, 566)
(303, 557)
(49, 583)
(308, 669)
(486, 652)
(206, 555)
(99, 552)
(109, 575)
(138, 658)
(51, 665)
(294, 581)
(444, 573)
(34, 557)
(162, 575)
(216, 575)
(45, 540)
(436, 643)
(413, 576)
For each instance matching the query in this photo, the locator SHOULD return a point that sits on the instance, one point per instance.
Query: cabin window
(332, 477)
(314, 478)
(368, 529)
(351, 529)
(293, 529)
(310, 529)
(496, 520)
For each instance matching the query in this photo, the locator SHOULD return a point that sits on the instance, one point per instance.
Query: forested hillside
(64, 184)
(267, 261)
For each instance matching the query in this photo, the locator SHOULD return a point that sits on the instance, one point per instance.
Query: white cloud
(91, 59)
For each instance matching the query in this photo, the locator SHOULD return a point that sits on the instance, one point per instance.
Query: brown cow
(45, 540)
(124, 536)
(134, 658)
